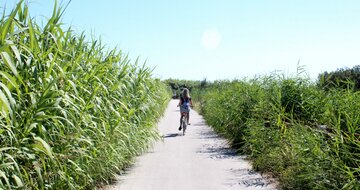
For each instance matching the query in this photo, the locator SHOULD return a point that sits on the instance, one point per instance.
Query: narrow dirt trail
(198, 160)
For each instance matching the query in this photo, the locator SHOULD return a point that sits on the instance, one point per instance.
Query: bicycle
(183, 122)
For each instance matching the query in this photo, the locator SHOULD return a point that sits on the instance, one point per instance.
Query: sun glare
(211, 39)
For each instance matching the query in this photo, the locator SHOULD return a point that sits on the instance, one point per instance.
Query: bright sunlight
(211, 39)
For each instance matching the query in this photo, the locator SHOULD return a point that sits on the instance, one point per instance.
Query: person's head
(185, 93)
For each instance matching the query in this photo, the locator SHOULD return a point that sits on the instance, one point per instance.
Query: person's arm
(179, 103)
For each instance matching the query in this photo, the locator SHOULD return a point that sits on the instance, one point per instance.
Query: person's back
(185, 103)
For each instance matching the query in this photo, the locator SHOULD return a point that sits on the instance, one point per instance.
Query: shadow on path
(209, 135)
(216, 152)
(249, 178)
(215, 146)
(202, 123)
(171, 135)
(218, 148)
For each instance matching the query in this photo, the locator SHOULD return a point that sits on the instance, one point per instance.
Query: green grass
(72, 112)
(276, 121)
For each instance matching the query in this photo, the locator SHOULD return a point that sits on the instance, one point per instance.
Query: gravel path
(198, 160)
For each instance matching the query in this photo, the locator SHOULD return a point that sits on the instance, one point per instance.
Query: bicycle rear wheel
(184, 125)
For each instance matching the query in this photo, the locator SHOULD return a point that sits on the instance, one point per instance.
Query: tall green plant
(71, 113)
(304, 135)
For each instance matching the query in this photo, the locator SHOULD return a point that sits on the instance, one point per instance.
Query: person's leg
(181, 116)
(180, 121)
(188, 118)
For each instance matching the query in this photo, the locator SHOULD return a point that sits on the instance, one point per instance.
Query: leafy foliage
(304, 135)
(71, 112)
(344, 78)
(177, 85)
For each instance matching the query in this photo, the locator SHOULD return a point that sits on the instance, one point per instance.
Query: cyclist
(185, 103)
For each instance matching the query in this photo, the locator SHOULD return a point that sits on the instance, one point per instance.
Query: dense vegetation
(342, 78)
(306, 136)
(177, 85)
(71, 112)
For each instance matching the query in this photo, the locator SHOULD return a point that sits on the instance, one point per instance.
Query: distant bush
(344, 78)
(177, 85)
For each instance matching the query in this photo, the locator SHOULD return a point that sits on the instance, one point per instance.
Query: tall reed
(72, 112)
(306, 136)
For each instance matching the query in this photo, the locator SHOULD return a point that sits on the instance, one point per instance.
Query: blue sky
(221, 39)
